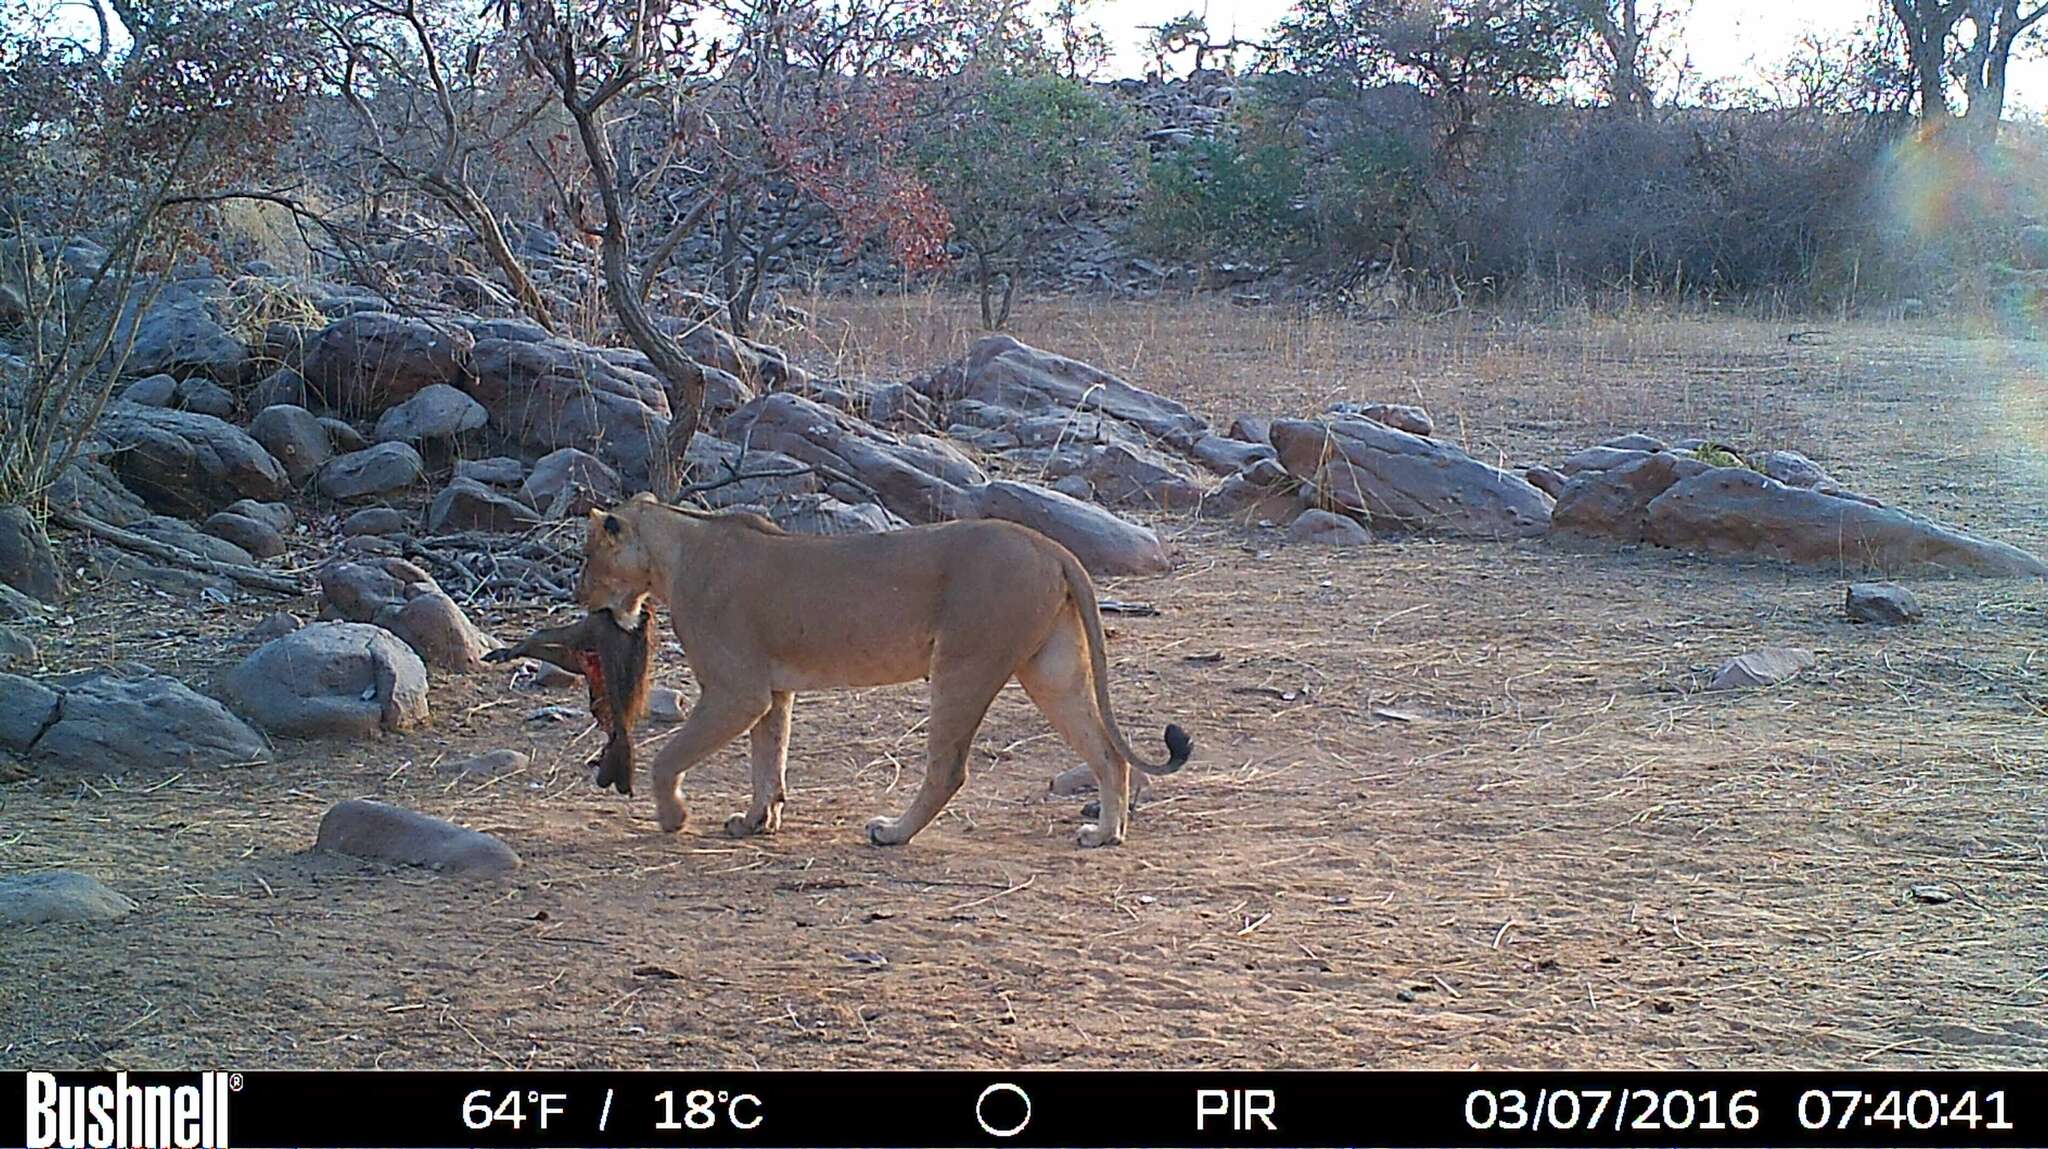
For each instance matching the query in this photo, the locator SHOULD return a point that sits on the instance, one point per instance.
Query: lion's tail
(1081, 589)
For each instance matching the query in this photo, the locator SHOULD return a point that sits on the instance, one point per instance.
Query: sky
(1727, 39)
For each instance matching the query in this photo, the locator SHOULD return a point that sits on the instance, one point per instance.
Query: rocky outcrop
(546, 394)
(918, 478)
(119, 720)
(1105, 544)
(1400, 481)
(1001, 372)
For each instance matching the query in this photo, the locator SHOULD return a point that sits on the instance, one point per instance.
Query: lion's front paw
(1093, 835)
(883, 832)
(670, 816)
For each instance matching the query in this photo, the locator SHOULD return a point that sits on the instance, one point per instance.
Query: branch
(129, 540)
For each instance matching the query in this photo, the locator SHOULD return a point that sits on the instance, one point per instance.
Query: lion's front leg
(770, 767)
(716, 720)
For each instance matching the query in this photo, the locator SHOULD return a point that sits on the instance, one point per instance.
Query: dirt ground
(1453, 804)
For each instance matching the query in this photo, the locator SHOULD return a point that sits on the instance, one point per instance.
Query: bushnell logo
(119, 1114)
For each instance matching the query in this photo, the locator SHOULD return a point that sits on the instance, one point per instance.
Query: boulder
(26, 561)
(579, 477)
(1601, 459)
(1635, 442)
(1105, 544)
(275, 625)
(405, 600)
(1002, 372)
(467, 505)
(1614, 503)
(294, 437)
(16, 648)
(375, 521)
(365, 362)
(1140, 477)
(552, 393)
(496, 471)
(185, 463)
(258, 538)
(91, 487)
(917, 478)
(133, 720)
(1251, 429)
(277, 516)
(343, 436)
(362, 828)
(436, 413)
(1550, 482)
(1793, 469)
(331, 679)
(59, 896)
(377, 470)
(283, 387)
(1882, 603)
(179, 335)
(186, 537)
(1331, 530)
(1766, 667)
(778, 478)
(1400, 417)
(825, 515)
(27, 707)
(1227, 456)
(1403, 481)
(206, 397)
(1246, 501)
(1735, 511)
(152, 391)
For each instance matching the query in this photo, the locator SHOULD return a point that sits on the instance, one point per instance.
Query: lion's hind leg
(1059, 681)
(960, 696)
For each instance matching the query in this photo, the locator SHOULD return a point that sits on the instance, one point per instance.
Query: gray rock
(1636, 442)
(26, 561)
(281, 388)
(554, 393)
(1105, 544)
(59, 896)
(1767, 667)
(497, 471)
(206, 397)
(90, 487)
(294, 437)
(1794, 469)
(113, 720)
(1602, 459)
(1400, 417)
(185, 463)
(1140, 477)
(666, 704)
(27, 708)
(365, 362)
(187, 537)
(1403, 481)
(375, 521)
(332, 679)
(179, 335)
(403, 599)
(436, 412)
(467, 505)
(1002, 372)
(1614, 502)
(362, 828)
(365, 546)
(825, 515)
(917, 478)
(1544, 479)
(259, 539)
(1225, 455)
(1247, 501)
(275, 625)
(489, 765)
(343, 436)
(152, 391)
(1075, 486)
(597, 485)
(277, 516)
(16, 648)
(1883, 603)
(1251, 429)
(1316, 526)
(377, 470)
(1733, 510)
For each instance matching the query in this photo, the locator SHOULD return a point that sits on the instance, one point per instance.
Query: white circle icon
(980, 1103)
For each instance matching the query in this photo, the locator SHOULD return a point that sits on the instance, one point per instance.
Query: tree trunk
(472, 210)
(682, 375)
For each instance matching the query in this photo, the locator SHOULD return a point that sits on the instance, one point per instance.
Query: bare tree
(1936, 45)
(593, 55)
(428, 119)
(1628, 39)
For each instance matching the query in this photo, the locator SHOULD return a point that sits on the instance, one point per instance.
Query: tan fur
(763, 615)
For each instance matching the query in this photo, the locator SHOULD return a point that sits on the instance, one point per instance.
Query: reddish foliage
(851, 158)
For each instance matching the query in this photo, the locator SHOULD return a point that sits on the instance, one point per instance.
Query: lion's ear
(613, 527)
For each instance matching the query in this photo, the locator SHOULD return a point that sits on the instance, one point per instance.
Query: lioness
(762, 614)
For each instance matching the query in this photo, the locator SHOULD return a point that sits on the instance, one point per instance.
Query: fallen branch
(142, 544)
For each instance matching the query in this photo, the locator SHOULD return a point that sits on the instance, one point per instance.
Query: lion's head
(618, 573)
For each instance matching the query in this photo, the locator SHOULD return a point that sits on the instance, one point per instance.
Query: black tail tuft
(1179, 747)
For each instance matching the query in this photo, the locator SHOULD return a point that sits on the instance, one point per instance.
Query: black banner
(1133, 1109)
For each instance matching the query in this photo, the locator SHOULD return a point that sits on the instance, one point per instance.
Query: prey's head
(618, 570)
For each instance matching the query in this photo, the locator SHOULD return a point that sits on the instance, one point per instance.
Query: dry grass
(1453, 803)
